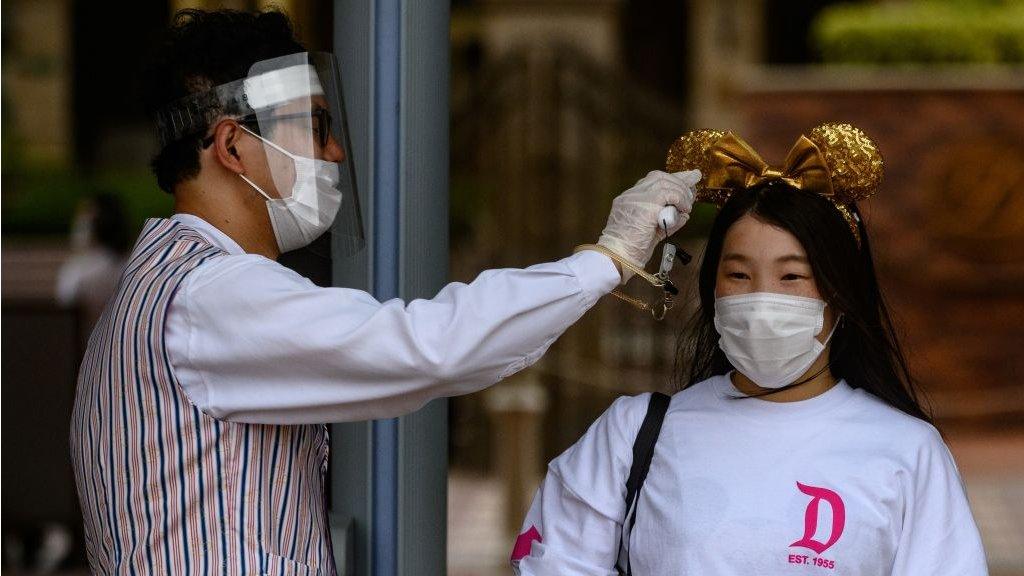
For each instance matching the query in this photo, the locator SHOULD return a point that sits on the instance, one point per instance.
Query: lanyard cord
(660, 280)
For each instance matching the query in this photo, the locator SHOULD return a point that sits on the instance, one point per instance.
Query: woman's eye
(737, 275)
(793, 277)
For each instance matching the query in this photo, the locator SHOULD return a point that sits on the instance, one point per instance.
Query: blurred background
(556, 107)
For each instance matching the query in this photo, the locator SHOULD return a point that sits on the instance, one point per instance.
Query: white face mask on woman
(770, 338)
(310, 210)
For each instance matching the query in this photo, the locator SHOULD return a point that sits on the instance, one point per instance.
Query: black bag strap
(643, 453)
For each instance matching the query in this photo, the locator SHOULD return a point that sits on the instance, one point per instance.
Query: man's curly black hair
(204, 49)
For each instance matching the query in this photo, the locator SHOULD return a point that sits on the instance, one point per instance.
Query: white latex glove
(633, 229)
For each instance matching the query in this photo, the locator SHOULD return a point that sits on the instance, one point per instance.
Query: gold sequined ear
(689, 152)
(853, 159)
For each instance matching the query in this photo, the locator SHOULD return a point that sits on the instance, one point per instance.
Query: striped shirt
(164, 487)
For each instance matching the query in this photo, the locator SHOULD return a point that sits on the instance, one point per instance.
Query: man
(197, 434)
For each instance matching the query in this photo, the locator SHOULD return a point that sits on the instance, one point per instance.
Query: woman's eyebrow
(792, 258)
(735, 256)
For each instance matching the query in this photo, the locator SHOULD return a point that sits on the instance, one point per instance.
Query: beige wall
(589, 25)
(725, 41)
(37, 79)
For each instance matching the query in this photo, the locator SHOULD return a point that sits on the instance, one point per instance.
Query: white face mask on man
(310, 210)
(769, 337)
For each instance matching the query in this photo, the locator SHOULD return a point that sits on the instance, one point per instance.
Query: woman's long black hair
(864, 351)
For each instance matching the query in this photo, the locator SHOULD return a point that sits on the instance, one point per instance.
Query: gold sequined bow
(738, 166)
(837, 161)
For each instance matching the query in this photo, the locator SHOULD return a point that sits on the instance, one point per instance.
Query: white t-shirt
(840, 484)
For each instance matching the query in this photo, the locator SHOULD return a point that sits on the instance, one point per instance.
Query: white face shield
(293, 104)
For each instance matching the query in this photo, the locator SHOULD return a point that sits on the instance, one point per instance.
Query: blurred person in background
(99, 243)
(198, 436)
(41, 550)
(796, 443)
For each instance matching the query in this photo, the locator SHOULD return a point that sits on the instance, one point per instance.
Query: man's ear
(225, 139)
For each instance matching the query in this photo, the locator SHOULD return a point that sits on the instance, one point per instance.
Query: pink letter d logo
(811, 518)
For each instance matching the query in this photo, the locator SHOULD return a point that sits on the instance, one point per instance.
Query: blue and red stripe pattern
(164, 487)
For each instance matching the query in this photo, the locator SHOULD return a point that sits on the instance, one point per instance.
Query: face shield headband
(294, 103)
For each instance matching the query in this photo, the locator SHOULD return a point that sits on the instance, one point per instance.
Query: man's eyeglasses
(321, 124)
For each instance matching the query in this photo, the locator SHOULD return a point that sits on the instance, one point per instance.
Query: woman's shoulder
(612, 434)
(698, 396)
(901, 430)
(627, 413)
(617, 427)
(621, 421)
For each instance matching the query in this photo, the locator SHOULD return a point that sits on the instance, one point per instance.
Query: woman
(99, 244)
(796, 444)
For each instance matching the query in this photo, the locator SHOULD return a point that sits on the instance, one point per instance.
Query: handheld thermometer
(667, 217)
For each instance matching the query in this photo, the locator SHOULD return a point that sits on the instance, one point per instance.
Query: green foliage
(922, 32)
(41, 200)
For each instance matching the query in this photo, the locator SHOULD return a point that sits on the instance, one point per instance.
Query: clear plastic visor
(293, 105)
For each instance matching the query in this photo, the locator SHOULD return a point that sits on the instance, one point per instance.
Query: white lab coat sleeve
(574, 523)
(252, 341)
(939, 536)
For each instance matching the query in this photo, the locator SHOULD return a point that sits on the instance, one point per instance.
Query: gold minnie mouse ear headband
(837, 161)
